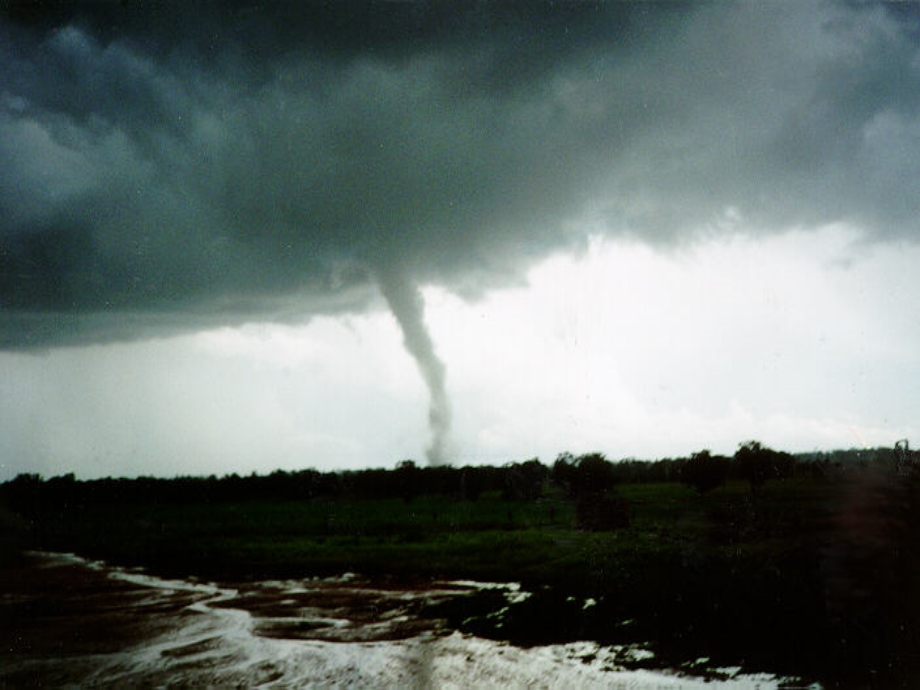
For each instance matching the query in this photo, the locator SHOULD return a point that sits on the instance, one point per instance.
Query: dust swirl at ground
(67, 622)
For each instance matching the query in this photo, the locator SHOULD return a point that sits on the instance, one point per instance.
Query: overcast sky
(235, 238)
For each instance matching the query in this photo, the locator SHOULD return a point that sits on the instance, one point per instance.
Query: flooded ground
(68, 622)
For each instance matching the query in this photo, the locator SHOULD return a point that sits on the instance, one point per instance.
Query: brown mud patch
(349, 610)
(64, 621)
(49, 606)
(57, 617)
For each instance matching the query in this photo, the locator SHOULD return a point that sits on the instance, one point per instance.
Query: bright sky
(806, 340)
(242, 236)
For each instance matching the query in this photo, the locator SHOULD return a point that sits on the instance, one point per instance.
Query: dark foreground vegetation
(800, 565)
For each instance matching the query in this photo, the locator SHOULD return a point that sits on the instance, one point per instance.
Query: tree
(408, 476)
(593, 474)
(593, 481)
(704, 471)
(524, 481)
(562, 473)
(757, 464)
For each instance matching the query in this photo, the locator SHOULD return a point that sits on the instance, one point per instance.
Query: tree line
(589, 476)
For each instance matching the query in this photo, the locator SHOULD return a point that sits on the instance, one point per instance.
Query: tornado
(405, 301)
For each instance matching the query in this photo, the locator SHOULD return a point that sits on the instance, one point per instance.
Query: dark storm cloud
(176, 166)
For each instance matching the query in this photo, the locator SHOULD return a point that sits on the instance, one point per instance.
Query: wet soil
(59, 616)
(65, 622)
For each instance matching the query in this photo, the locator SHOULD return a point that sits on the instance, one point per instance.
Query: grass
(428, 536)
(533, 541)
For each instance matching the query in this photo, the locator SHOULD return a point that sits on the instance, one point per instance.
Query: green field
(535, 542)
